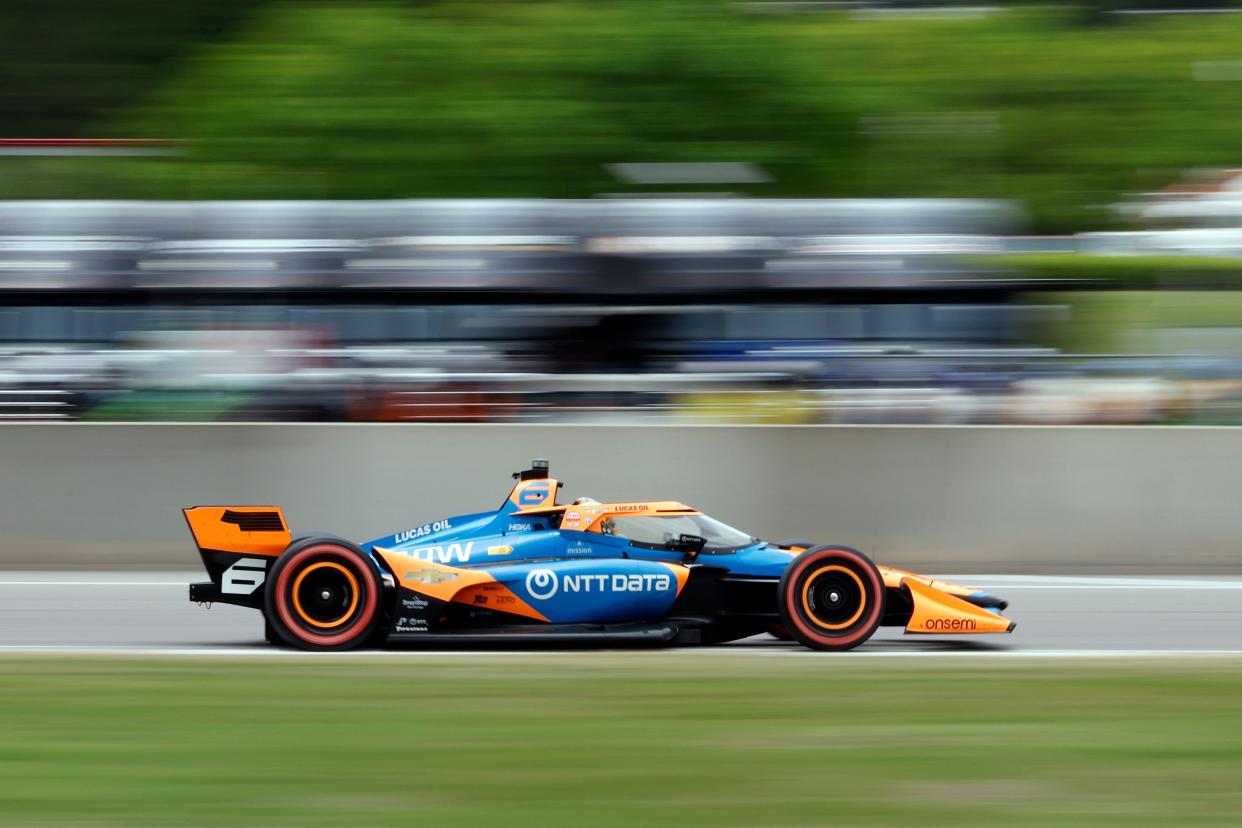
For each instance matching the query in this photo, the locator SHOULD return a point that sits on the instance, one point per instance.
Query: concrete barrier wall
(941, 499)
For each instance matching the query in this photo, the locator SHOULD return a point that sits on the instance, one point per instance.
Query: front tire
(324, 593)
(831, 598)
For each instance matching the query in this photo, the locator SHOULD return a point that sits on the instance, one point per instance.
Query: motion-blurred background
(621, 211)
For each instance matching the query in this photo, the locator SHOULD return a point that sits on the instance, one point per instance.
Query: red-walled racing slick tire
(831, 598)
(324, 594)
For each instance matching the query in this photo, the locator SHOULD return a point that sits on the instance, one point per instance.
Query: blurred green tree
(466, 99)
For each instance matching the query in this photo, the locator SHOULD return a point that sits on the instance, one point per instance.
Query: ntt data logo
(541, 584)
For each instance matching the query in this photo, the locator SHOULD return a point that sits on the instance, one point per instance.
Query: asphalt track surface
(119, 612)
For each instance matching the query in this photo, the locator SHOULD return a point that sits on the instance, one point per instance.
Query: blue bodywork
(569, 576)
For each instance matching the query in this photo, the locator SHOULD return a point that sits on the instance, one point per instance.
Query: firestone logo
(541, 583)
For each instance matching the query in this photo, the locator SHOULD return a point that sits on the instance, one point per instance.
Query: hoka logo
(454, 552)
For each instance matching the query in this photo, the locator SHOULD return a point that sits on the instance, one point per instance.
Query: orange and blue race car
(535, 570)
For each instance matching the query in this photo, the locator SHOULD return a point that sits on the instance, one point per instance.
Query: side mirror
(689, 545)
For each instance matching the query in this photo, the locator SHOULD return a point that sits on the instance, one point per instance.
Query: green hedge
(1133, 272)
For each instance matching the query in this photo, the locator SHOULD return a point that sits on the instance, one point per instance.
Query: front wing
(931, 606)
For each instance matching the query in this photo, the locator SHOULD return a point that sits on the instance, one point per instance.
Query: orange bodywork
(225, 528)
(461, 586)
(588, 517)
(535, 494)
(681, 573)
(894, 577)
(937, 612)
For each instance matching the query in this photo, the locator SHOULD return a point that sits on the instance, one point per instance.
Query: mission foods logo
(542, 584)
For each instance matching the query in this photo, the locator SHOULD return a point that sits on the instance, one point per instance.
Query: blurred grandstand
(711, 310)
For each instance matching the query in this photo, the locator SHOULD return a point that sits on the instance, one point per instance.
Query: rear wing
(238, 545)
(245, 530)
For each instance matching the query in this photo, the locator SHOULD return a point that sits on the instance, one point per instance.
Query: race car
(536, 570)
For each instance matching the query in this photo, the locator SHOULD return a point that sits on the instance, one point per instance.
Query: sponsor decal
(519, 527)
(950, 624)
(453, 552)
(572, 516)
(617, 583)
(504, 600)
(418, 602)
(541, 584)
(429, 576)
(534, 494)
(499, 550)
(579, 549)
(244, 576)
(480, 598)
(633, 507)
(422, 531)
(411, 625)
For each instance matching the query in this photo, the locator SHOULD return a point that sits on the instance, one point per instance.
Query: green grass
(620, 739)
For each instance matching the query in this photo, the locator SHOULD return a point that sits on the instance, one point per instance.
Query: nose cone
(937, 612)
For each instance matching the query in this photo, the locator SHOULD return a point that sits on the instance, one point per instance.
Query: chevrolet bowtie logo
(429, 576)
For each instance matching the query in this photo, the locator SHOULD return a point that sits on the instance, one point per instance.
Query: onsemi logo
(950, 624)
(244, 576)
(541, 584)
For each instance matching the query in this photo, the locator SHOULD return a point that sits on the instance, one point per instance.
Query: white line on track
(275, 652)
(98, 584)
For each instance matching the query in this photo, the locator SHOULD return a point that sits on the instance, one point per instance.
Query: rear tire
(779, 632)
(324, 593)
(831, 598)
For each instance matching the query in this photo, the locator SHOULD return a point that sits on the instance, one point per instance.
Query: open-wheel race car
(535, 570)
